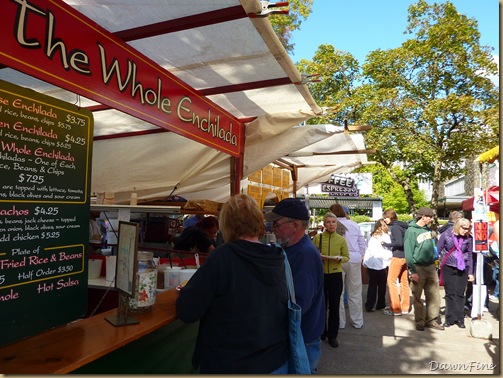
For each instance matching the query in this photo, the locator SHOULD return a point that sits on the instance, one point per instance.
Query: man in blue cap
(290, 220)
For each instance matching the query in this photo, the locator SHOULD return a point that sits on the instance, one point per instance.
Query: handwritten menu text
(45, 157)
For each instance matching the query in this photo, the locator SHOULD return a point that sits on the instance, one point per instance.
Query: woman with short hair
(239, 295)
(334, 251)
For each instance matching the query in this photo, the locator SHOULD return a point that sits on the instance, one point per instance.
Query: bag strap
(288, 274)
(446, 257)
(289, 279)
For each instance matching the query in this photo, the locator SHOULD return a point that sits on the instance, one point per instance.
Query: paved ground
(391, 345)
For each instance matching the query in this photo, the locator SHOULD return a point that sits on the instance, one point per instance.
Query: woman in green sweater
(334, 252)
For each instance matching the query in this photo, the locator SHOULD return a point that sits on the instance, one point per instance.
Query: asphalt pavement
(392, 345)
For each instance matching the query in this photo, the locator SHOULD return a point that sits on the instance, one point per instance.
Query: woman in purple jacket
(456, 247)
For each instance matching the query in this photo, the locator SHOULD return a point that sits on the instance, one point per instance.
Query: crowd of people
(239, 295)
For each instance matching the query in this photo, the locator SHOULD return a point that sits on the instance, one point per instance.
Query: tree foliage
(391, 192)
(430, 102)
(284, 25)
(337, 89)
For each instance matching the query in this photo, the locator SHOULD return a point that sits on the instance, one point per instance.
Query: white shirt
(377, 256)
(355, 240)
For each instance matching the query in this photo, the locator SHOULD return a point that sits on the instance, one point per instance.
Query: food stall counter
(69, 347)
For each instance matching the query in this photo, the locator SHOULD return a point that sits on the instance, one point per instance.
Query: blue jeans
(283, 369)
(496, 271)
(313, 349)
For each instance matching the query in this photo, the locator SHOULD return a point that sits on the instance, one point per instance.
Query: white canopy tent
(230, 56)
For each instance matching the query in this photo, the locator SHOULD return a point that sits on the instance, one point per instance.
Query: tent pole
(294, 174)
(236, 173)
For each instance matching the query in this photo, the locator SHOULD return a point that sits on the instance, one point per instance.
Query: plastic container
(186, 274)
(172, 277)
(146, 284)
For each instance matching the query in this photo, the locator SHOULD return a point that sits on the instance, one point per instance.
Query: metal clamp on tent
(266, 11)
(306, 78)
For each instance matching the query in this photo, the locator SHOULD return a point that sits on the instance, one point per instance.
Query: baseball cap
(289, 208)
(426, 211)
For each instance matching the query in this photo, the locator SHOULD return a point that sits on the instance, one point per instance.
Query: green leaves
(430, 101)
(284, 25)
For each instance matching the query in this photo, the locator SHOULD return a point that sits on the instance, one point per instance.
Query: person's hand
(414, 277)
(471, 278)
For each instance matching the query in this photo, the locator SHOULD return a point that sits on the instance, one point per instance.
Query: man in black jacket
(399, 302)
(453, 217)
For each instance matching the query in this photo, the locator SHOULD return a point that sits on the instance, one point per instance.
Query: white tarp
(214, 57)
(143, 164)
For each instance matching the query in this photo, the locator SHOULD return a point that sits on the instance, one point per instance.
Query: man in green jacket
(420, 255)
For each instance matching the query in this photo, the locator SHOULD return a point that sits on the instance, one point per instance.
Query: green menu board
(45, 170)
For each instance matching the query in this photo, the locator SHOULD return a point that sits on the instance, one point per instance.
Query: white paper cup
(111, 262)
(94, 268)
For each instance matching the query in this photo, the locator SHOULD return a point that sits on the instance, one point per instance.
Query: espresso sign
(340, 186)
(45, 160)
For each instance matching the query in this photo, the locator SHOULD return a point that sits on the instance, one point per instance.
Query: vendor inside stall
(199, 238)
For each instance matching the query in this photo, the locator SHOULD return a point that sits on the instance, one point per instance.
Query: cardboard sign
(480, 236)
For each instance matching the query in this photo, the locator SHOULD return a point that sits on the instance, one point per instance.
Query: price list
(45, 160)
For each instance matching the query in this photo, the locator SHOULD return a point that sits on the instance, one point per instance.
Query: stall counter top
(66, 348)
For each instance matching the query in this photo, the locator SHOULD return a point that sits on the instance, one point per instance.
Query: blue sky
(360, 26)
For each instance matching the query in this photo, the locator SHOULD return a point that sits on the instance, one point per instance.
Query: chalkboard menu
(45, 168)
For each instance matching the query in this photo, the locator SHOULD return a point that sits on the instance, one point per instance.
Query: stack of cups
(111, 262)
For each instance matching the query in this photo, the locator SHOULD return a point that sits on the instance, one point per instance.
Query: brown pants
(428, 281)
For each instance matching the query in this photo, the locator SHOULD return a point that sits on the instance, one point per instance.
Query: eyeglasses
(466, 228)
(276, 224)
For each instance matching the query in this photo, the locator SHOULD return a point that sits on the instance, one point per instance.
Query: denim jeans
(496, 272)
(313, 349)
(313, 354)
(283, 369)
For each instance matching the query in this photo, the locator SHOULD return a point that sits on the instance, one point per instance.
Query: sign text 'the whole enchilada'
(95, 63)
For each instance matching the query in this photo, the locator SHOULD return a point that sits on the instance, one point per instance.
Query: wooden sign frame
(127, 257)
(125, 272)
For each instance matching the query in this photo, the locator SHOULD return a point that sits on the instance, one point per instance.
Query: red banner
(53, 42)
